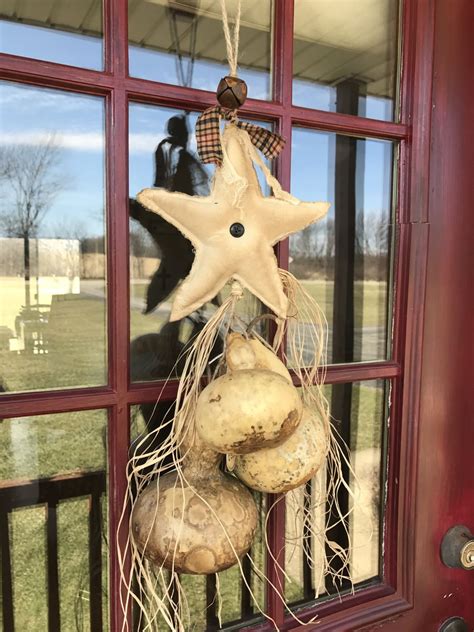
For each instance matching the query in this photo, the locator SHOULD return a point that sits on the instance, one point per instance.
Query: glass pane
(64, 31)
(52, 257)
(163, 154)
(53, 513)
(345, 56)
(359, 414)
(182, 42)
(344, 261)
(237, 604)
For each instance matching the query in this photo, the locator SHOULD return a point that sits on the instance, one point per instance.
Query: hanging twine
(231, 40)
(208, 134)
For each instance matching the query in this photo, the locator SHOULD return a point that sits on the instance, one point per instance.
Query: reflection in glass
(178, 170)
(64, 32)
(182, 43)
(53, 515)
(345, 56)
(200, 591)
(358, 412)
(163, 154)
(52, 257)
(344, 261)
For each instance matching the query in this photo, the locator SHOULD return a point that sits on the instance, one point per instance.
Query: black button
(237, 230)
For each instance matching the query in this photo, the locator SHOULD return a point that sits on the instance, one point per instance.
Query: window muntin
(65, 32)
(52, 235)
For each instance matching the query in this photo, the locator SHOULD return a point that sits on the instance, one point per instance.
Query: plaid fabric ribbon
(209, 140)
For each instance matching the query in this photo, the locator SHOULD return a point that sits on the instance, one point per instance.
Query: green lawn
(76, 336)
(370, 298)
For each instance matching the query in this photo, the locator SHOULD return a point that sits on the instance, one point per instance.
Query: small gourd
(290, 464)
(200, 524)
(250, 353)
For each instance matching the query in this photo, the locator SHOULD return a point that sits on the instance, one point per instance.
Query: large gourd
(200, 525)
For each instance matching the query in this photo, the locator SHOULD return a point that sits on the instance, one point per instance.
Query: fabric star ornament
(234, 229)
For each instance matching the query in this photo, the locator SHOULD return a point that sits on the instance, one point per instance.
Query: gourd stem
(257, 319)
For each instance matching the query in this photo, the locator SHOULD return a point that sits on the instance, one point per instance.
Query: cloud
(82, 141)
(139, 143)
(144, 143)
(21, 97)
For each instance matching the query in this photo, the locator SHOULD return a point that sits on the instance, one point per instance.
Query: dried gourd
(248, 408)
(249, 353)
(199, 523)
(290, 464)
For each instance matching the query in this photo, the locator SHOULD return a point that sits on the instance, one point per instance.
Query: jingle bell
(231, 92)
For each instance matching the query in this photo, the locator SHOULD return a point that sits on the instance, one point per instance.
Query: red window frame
(394, 593)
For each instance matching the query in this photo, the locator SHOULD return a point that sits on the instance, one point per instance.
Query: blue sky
(312, 169)
(29, 114)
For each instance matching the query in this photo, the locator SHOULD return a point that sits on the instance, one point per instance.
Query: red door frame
(394, 594)
(443, 487)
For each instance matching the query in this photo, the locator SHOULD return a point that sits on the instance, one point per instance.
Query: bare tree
(330, 238)
(310, 243)
(31, 180)
(72, 234)
(372, 233)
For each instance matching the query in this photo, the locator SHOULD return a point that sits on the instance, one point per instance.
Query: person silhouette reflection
(154, 355)
(176, 169)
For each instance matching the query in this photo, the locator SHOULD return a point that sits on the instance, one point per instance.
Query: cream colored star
(213, 224)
